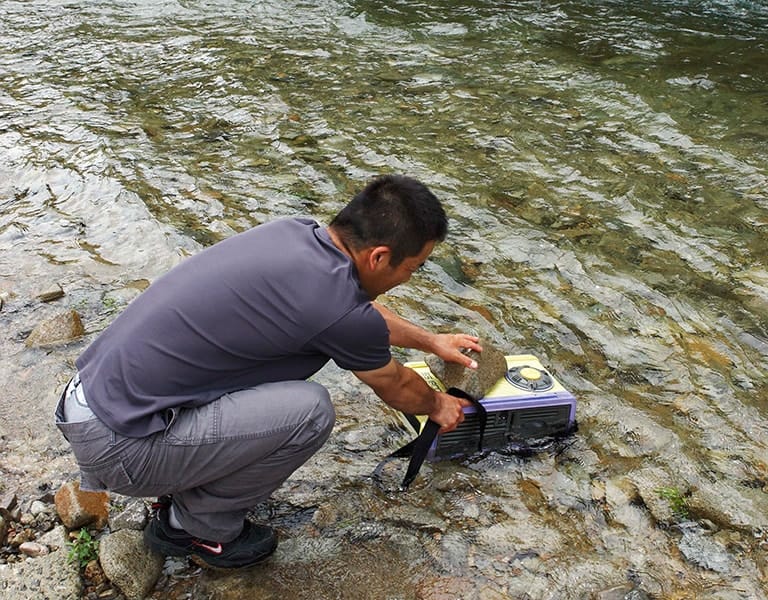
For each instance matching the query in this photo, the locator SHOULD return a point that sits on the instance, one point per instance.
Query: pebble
(33, 549)
(38, 507)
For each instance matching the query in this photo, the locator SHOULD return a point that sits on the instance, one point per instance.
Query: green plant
(110, 304)
(83, 549)
(676, 501)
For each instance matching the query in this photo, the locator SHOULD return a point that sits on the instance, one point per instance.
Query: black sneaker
(254, 544)
(163, 502)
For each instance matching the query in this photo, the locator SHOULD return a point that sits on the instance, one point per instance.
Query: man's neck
(339, 242)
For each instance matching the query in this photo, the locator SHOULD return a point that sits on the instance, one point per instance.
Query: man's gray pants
(218, 460)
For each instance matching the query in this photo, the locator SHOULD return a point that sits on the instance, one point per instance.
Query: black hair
(394, 211)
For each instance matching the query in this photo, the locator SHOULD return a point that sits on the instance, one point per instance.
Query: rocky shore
(557, 524)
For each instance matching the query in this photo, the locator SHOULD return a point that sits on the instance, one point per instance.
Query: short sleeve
(359, 341)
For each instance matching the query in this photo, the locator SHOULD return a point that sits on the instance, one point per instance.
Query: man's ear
(379, 257)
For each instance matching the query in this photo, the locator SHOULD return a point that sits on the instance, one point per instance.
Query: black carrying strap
(418, 448)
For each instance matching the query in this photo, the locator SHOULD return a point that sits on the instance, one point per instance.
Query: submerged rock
(700, 549)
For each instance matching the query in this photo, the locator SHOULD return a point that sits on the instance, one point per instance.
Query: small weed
(676, 501)
(110, 304)
(83, 549)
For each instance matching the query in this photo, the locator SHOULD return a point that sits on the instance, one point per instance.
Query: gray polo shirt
(273, 303)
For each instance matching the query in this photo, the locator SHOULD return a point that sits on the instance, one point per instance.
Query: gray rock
(129, 564)
(132, 515)
(728, 507)
(700, 549)
(49, 577)
(648, 483)
(8, 502)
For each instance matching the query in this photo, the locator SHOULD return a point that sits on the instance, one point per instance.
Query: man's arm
(404, 389)
(447, 346)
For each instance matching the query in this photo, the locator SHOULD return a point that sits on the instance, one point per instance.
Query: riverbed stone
(725, 506)
(129, 564)
(699, 548)
(491, 366)
(57, 330)
(77, 508)
(33, 549)
(414, 518)
(445, 588)
(622, 592)
(132, 514)
(521, 536)
(649, 484)
(51, 293)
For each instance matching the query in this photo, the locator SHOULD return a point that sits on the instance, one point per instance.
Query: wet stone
(622, 592)
(325, 515)
(361, 440)
(445, 588)
(701, 549)
(306, 550)
(453, 556)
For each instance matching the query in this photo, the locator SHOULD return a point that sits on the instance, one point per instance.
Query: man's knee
(323, 414)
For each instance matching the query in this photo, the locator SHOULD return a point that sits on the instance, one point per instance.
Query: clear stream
(604, 167)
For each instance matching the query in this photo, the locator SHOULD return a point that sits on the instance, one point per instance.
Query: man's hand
(448, 414)
(449, 346)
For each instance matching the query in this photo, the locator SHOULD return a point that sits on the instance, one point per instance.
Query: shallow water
(604, 168)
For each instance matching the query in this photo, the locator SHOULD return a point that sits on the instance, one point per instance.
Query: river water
(604, 168)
